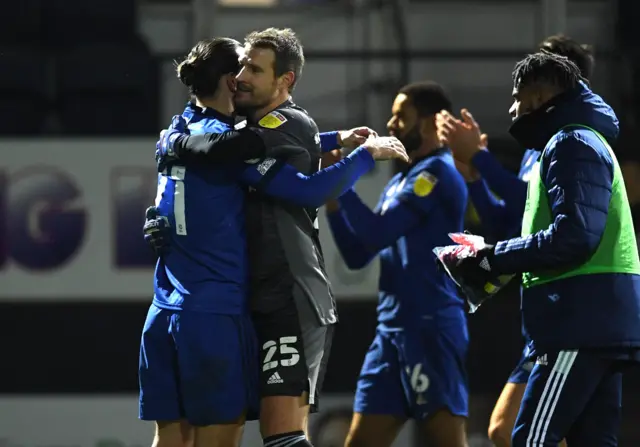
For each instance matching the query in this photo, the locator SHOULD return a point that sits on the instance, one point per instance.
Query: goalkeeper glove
(156, 230)
(470, 266)
(165, 146)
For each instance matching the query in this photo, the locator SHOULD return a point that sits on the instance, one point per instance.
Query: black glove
(476, 270)
(165, 151)
(156, 230)
(473, 273)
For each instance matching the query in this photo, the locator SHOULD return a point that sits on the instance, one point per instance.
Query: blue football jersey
(205, 268)
(412, 290)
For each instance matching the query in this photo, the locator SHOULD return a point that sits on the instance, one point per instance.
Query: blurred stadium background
(85, 86)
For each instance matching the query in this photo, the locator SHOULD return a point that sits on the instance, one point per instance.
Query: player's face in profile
(404, 123)
(256, 81)
(525, 100)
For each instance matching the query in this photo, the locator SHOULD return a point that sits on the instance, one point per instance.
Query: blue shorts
(201, 367)
(413, 375)
(523, 369)
(574, 395)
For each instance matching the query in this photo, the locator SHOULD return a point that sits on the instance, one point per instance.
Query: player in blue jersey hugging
(415, 367)
(199, 354)
(502, 218)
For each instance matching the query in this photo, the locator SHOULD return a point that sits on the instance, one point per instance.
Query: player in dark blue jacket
(502, 218)
(577, 256)
(415, 367)
(198, 358)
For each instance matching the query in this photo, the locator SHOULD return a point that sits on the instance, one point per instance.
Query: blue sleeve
(492, 212)
(278, 179)
(354, 254)
(504, 183)
(579, 182)
(376, 230)
(329, 141)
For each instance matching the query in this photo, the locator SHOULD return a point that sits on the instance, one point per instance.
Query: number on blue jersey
(174, 179)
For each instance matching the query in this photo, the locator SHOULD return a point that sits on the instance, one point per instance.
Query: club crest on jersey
(273, 120)
(424, 184)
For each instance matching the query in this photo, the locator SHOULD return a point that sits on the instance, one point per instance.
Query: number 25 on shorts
(272, 346)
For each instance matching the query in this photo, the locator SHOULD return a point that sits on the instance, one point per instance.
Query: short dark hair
(546, 68)
(206, 63)
(579, 54)
(428, 97)
(289, 55)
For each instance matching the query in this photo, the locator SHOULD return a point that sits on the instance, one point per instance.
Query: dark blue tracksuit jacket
(598, 311)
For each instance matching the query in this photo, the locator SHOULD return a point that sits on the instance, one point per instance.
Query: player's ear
(539, 97)
(232, 82)
(427, 126)
(286, 80)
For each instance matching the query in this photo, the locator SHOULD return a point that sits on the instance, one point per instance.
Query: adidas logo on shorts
(484, 264)
(275, 378)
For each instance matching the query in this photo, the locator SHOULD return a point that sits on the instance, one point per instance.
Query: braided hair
(548, 68)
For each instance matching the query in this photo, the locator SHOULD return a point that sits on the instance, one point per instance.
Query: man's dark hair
(286, 46)
(206, 63)
(428, 97)
(546, 68)
(579, 54)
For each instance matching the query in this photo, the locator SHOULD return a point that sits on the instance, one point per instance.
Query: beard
(247, 108)
(411, 140)
(251, 102)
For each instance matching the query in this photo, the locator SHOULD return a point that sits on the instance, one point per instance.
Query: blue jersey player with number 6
(415, 367)
(199, 367)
